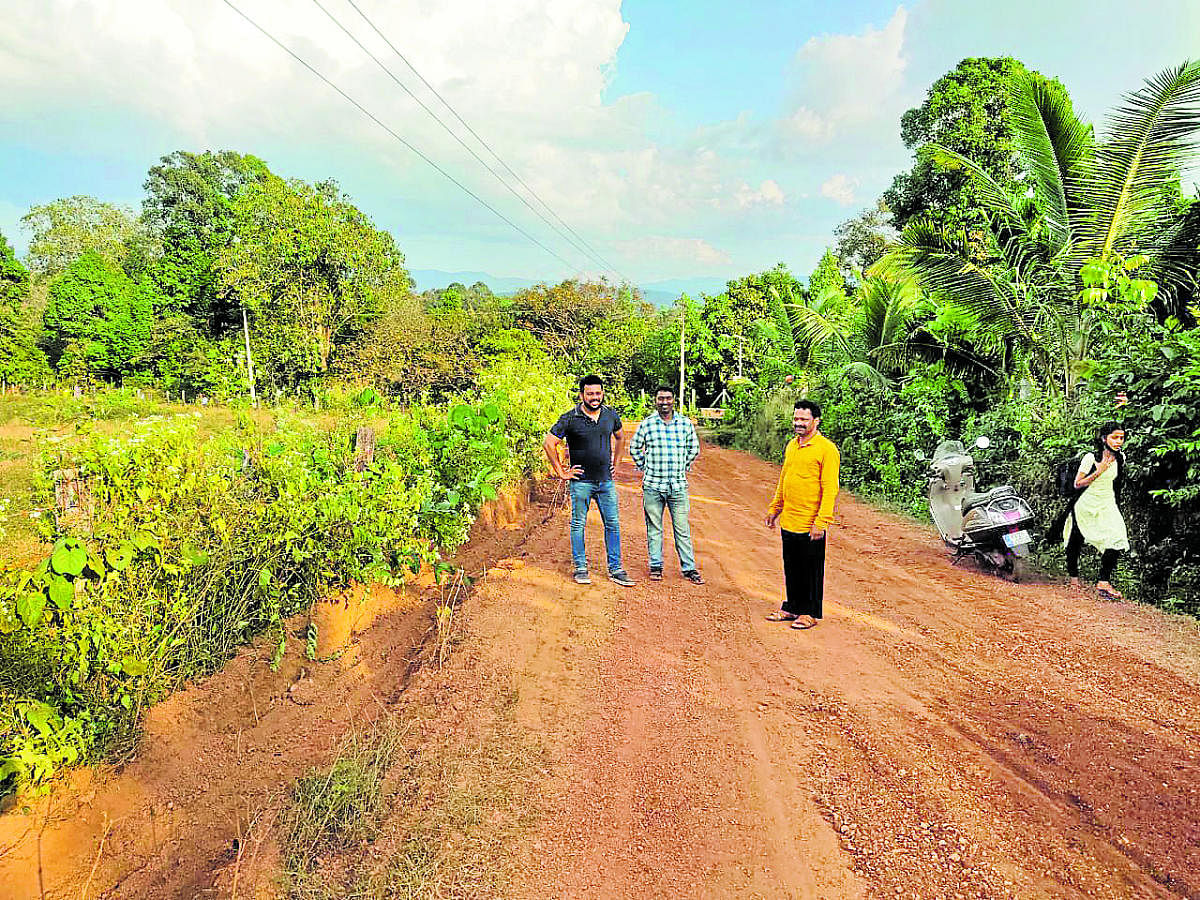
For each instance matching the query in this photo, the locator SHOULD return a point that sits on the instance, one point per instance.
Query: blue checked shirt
(664, 450)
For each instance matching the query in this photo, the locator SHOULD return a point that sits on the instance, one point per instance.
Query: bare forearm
(550, 447)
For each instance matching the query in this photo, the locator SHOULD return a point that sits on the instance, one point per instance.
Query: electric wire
(366, 112)
(485, 144)
(575, 242)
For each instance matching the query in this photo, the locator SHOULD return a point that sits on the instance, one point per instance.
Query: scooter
(993, 527)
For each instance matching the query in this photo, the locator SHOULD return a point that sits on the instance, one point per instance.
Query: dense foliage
(193, 546)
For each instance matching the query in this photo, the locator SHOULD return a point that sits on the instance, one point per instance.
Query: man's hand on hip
(817, 534)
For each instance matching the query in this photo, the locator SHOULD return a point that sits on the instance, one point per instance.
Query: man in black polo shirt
(594, 440)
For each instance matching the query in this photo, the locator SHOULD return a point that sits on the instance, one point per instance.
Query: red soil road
(941, 734)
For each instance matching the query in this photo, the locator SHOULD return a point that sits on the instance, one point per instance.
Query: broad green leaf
(62, 592)
(29, 608)
(120, 557)
(96, 564)
(462, 416)
(42, 717)
(68, 560)
(143, 540)
(491, 412)
(133, 666)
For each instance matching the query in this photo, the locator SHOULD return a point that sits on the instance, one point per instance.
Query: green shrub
(197, 546)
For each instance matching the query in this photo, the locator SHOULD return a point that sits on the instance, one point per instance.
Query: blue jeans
(653, 502)
(605, 495)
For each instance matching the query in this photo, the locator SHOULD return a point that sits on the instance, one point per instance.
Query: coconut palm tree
(1105, 201)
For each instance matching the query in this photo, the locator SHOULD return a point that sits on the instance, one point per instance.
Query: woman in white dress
(1095, 517)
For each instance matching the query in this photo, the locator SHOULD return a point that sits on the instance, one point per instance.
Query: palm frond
(940, 262)
(993, 195)
(1150, 138)
(887, 309)
(1054, 144)
(865, 373)
(811, 328)
(1174, 253)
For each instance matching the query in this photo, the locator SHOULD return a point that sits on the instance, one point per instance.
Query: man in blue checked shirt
(664, 448)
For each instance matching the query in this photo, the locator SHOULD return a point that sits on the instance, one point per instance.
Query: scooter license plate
(1013, 538)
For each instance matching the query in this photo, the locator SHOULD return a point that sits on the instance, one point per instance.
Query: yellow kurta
(808, 485)
(1100, 521)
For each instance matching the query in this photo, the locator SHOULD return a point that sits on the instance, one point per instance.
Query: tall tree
(863, 240)
(20, 357)
(967, 110)
(312, 270)
(1098, 211)
(66, 229)
(189, 208)
(98, 320)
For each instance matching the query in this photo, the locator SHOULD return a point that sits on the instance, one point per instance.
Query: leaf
(194, 555)
(491, 412)
(143, 541)
(133, 666)
(8, 620)
(41, 716)
(96, 564)
(462, 416)
(30, 606)
(264, 578)
(143, 493)
(62, 592)
(119, 558)
(68, 560)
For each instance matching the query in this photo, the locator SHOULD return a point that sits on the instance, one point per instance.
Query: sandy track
(941, 734)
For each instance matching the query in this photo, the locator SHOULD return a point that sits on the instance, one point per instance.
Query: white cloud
(846, 80)
(769, 193)
(695, 251)
(840, 188)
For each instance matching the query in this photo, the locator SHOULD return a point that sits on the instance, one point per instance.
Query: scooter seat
(974, 501)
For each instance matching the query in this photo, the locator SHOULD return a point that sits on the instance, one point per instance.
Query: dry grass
(460, 804)
(337, 808)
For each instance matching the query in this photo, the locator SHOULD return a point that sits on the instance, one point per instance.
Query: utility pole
(249, 360)
(682, 328)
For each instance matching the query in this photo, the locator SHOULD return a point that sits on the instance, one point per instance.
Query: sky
(679, 142)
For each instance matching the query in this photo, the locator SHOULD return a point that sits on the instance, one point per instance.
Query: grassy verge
(459, 799)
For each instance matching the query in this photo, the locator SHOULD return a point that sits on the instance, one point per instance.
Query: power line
(366, 112)
(475, 134)
(575, 243)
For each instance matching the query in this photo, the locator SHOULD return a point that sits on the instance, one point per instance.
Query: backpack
(1064, 476)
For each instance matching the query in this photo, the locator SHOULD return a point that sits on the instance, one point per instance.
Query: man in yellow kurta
(803, 506)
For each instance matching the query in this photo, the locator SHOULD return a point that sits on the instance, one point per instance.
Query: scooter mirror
(983, 442)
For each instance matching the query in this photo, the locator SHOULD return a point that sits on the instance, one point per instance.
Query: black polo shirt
(588, 442)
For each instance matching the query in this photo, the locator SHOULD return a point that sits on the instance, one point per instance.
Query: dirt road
(940, 734)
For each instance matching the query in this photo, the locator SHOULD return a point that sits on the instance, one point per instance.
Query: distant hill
(660, 293)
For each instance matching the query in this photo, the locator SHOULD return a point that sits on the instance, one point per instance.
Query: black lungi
(803, 573)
